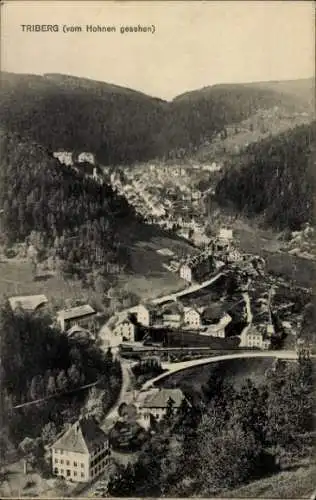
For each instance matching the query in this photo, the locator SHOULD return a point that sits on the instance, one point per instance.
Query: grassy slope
(296, 483)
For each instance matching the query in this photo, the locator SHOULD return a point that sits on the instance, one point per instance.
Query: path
(187, 291)
(57, 395)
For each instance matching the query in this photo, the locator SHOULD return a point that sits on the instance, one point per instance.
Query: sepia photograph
(157, 249)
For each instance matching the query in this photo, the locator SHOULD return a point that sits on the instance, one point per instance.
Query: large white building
(144, 314)
(191, 317)
(82, 452)
(253, 337)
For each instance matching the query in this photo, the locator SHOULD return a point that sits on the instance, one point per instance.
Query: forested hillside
(63, 112)
(75, 219)
(274, 178)
(38, 361)
(121, 126)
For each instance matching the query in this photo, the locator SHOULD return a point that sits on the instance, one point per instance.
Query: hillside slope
(121, 125)
(62, 112)
(274, 178)
(71, 215)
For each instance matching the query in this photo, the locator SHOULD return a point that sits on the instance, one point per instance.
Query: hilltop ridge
(121, 125)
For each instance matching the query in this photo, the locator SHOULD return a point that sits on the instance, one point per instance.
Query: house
(234, 255)
(218, 329)
(145, 314)
(67, 318)
(157, 402)
(186, 272)
(253, 337)
(86, 157)
(191, 317)
(172, 315)
(76, 332)
(64, 157)
(82, 452)
(126, 329)
(225, 234)
(28, 303)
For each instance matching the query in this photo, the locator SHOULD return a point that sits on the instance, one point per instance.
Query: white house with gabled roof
(82, 452)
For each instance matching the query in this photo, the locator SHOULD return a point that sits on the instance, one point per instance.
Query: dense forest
(38, 361)
(120, 125)
(72, 215)
(274, 178)
(229, 438)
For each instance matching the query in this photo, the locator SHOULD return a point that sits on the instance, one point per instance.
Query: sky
(195, 43)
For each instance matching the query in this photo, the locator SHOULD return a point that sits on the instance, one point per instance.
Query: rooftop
(82, 437)
(28, 302)
(160, 399)
(76, 312)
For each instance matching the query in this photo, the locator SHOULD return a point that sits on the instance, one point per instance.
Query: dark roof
(82, 437)
(76, 312)
(214, 311)
(173, 308)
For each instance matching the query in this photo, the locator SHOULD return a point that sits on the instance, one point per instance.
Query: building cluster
(83, 162)
(165, 196)
(173, 316)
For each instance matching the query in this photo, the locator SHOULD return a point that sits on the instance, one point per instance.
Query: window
(82, 465)
(67, 462)
(68, 472)
(82, 474)
(61, 471)
(75, 464)
(56, 460)
(75, 473)
(56, 470)
(61, 461)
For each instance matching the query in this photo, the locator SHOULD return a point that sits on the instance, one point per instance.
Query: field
(16, 279)
(266, 244)
(147, 277)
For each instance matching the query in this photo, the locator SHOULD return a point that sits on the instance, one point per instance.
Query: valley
(172, 245)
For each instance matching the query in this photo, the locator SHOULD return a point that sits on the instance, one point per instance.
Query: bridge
(173, 368)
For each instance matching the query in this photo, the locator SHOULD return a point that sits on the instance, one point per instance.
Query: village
(229, 306)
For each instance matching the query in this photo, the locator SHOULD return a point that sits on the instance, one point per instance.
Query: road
(125, 392)
(187, 291)
(176, 367)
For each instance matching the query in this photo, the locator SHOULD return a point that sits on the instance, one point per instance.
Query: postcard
(157, 249)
